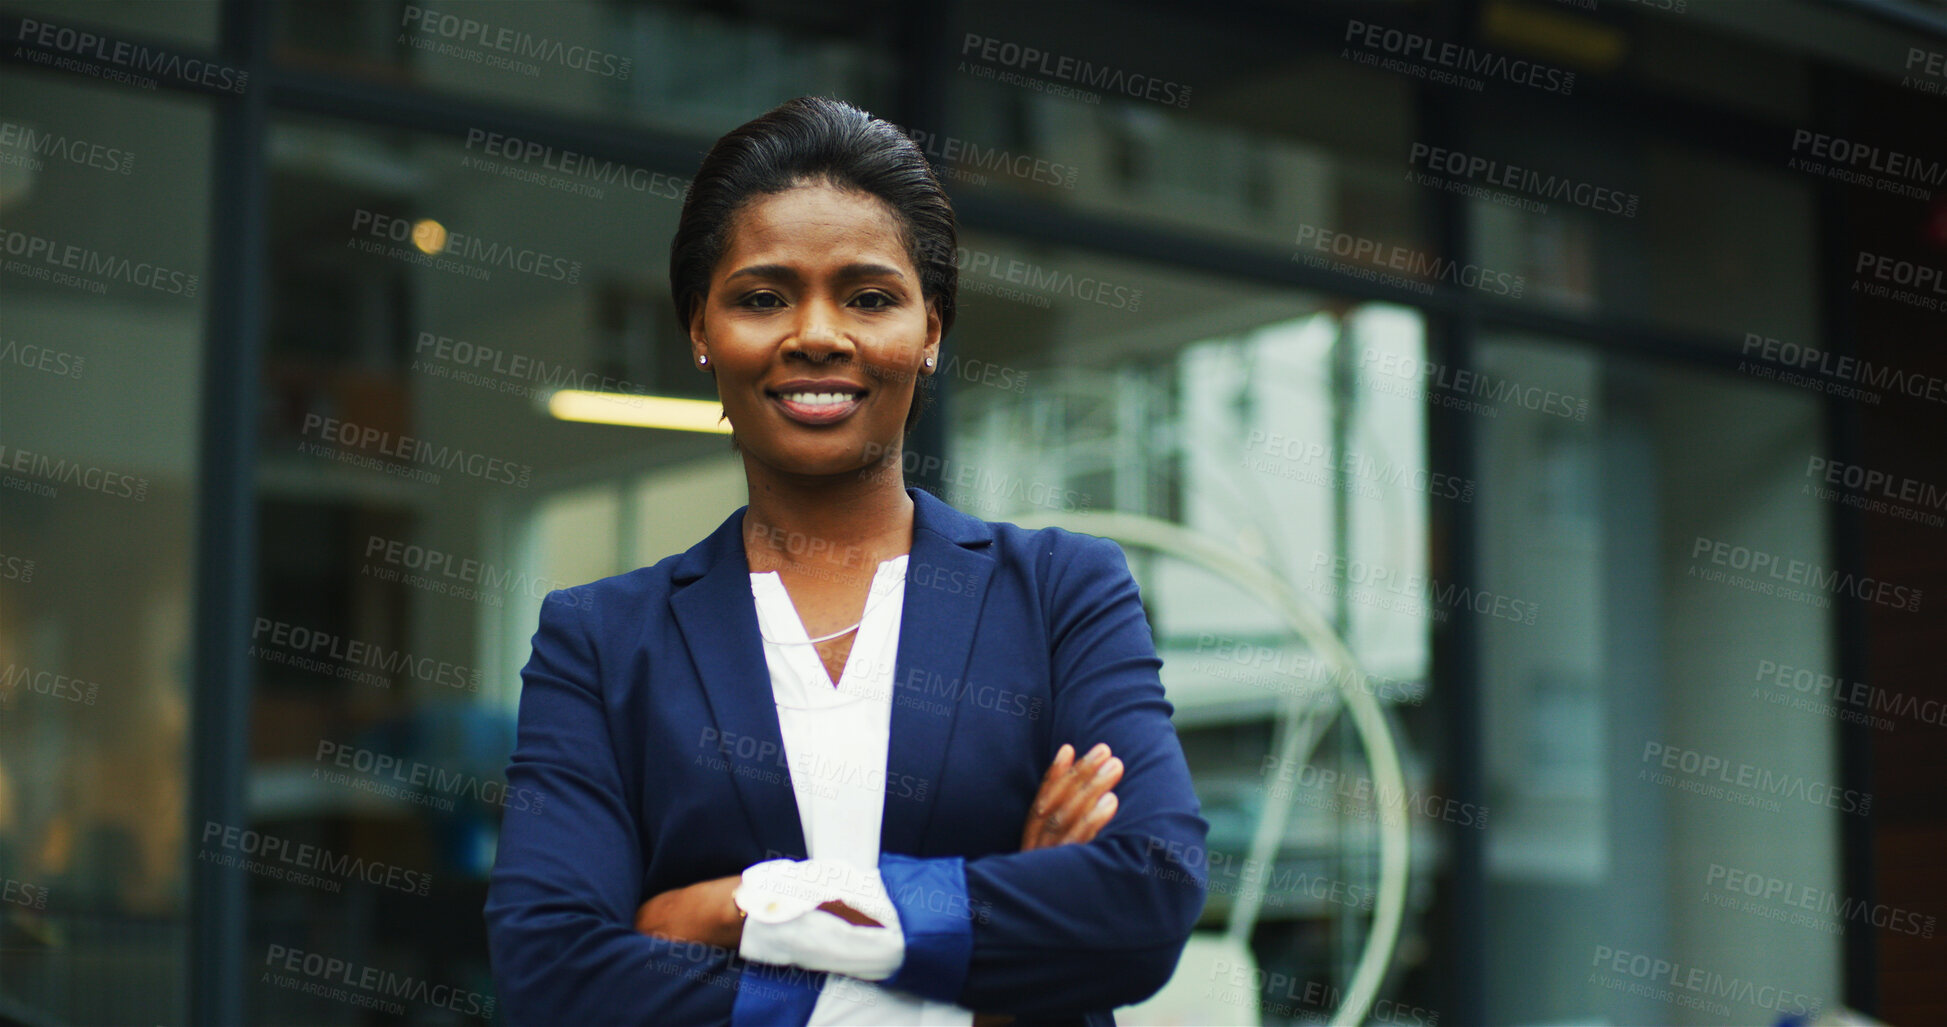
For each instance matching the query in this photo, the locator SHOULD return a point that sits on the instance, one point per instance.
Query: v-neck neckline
(801, 639)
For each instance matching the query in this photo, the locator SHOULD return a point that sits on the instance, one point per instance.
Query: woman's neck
(841, 523)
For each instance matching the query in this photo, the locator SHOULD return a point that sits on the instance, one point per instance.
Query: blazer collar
(930, 514)
(947, 575)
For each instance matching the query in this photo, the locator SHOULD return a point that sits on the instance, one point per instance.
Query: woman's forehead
(813, 220)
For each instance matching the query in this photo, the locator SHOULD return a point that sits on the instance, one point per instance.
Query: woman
(793, 775)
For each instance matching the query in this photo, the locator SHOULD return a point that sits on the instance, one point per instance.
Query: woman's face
(817, 330)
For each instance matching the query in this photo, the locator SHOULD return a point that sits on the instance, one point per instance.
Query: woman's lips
(817, 412)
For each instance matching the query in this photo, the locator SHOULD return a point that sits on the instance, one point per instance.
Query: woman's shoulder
(1047, 552)
(644, 584)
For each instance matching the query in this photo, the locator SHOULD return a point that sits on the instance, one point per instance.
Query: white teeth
(819, 399)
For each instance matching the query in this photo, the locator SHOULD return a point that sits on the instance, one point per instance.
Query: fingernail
(1100, 751)
(1107, 800)
(1104, 770)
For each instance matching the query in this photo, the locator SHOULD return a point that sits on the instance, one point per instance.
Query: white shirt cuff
(785, 927)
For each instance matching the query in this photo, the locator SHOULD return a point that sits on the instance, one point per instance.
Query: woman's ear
(699, 346)
(930, 356)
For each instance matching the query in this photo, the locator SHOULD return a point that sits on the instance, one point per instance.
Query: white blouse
(835, 741)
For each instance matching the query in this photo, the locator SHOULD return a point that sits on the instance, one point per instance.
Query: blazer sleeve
(566, 882)
(1075, 928)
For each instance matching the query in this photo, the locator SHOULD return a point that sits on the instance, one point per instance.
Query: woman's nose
(817, 332)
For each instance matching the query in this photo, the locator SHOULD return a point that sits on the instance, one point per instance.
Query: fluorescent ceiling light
(635, 411)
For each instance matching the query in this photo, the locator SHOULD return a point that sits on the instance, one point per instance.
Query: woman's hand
(1073, 804)
(707, 912)
(1075, 800)
(703, 912)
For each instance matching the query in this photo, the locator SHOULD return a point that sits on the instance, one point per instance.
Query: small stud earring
(702, 361)
(929, 361)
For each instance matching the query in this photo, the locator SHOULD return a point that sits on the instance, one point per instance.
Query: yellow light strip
(634, 411)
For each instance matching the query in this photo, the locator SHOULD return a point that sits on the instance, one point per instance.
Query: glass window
(418, 500)
(1272, 139)
(1229, 436)
(188, 22)
(103, 279)
(667, 65)
(1645, 762)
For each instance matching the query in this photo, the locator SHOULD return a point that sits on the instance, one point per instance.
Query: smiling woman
(773, 796)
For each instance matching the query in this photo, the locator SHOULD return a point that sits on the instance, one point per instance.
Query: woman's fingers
(1057, 772)
(1048, 822)
(1071, 822)
(1065, 809)
(839, 909)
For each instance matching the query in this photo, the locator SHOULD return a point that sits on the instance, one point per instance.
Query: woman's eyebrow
(783, 272)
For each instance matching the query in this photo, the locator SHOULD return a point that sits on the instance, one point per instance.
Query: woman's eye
(762, 300)
(873, 300)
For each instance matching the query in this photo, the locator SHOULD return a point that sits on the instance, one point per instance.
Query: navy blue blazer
(648, 727)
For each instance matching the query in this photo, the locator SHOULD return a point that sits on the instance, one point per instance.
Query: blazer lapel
(946, 583)
(718, 617)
